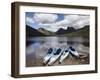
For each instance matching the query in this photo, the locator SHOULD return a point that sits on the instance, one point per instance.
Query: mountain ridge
(61, 32)
(33, 32)
(65, 31)
(46, 32)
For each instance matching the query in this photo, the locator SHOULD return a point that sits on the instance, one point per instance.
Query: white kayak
(55, 56)
(74, 52)
(48, 56)
(64, 56)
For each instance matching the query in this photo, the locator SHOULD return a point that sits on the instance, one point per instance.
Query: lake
(37, 47)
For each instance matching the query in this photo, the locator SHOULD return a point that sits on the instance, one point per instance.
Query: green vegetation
(84, 32)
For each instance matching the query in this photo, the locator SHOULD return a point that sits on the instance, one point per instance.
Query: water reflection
(39, 46)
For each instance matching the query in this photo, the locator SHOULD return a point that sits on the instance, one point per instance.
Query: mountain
(70, 31)
(63, 31)
(86, 28)
(80, 32)
(46, 32)
(33, 32)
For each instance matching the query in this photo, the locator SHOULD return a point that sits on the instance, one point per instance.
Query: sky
(53, 22)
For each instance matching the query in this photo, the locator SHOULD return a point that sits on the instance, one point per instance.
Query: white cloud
(71, 18)
(45, 18)
(49, 27)
(75, 21)
(48, 21)
(30, 20)
(53, 27)
(62, 23)
(81, 23)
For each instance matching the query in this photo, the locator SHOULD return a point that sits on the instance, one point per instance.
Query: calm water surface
(37, 47)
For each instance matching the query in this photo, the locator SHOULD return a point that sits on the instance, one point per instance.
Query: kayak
(73, 52)
(48, 56)
(64, 56)
(55, 56)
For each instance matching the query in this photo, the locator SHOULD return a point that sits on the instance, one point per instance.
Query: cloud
(76, 21)
(29, 20)
(49, 27)
(45, 18)
(54, 26)
(81, 23)
(49, 21)
(71, 18)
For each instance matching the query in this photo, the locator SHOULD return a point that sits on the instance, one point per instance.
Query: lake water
(37, 47)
